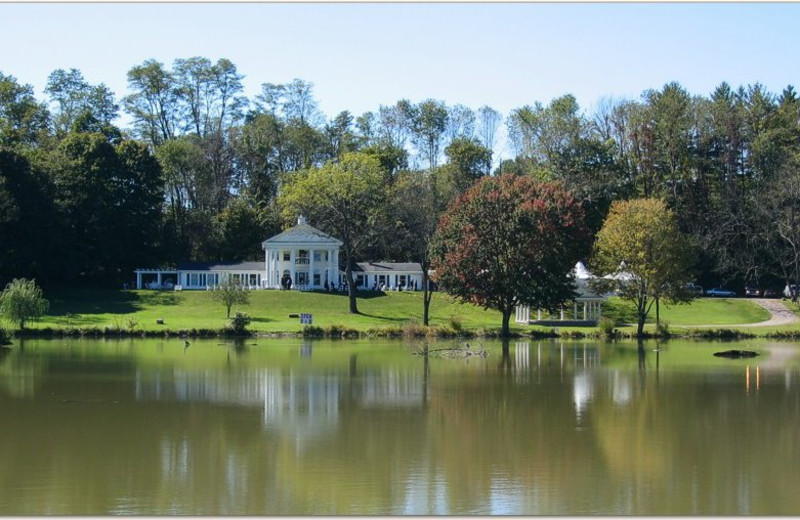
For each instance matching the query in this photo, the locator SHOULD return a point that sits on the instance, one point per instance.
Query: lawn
(270, 311)
(702, 311)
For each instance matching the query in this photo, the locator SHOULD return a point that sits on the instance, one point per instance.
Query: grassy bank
(269, 310)
(389, 313)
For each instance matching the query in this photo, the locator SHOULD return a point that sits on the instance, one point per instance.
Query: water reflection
(299, 427)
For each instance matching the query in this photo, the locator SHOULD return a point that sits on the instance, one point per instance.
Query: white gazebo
(304, 254)
(587, 306)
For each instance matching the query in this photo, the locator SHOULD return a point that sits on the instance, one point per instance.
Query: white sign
(306, 319)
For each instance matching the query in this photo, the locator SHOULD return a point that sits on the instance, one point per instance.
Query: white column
(159, 279)
(562, 313)
(267, 260)
(586, 310)
(138, 280)
(539, 314)
(331, 275)
(291, 266)
(311, 268)
(575, 311)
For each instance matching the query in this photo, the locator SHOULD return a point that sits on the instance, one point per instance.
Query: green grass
(702, 311)
(269, 310)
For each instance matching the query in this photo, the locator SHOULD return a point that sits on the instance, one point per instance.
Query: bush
(456, 324)
(239, 323)
(607, 327)
(662, 329)
(22, 300)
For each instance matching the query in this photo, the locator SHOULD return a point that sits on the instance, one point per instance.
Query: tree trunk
(658, 315)
(640, 326)
(426, 297)
(504, 332)
(351, 287)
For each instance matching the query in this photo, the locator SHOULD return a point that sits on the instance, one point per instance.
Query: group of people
(411, 286)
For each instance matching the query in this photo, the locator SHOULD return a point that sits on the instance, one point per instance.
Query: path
(779, 315)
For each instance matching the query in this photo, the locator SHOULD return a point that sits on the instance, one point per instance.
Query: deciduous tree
(22, 300)
(229, 294)
(510, 241)
(646, 256)
(343, 199)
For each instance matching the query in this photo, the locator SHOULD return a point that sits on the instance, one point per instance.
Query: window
(286, 256)
(317, 256)
(316, 279)
(254, 279)
(193, 280)
(359, 280)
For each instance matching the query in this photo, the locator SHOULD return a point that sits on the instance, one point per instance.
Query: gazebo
(586, 308)
(304, 254)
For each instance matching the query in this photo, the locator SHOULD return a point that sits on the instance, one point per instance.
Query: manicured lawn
(269, 310)
(702, 311)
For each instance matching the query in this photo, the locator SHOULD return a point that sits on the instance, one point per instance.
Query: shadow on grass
(78, 303)
(620, 311)
(384, 318)
(361, 295)
(73, 320)
(261, 320)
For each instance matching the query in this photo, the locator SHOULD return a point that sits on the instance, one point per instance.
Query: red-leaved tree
(510, 240)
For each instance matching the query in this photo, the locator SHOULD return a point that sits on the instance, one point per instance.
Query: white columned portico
(283, 253)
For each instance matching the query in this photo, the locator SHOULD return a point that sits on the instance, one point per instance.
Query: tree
(229, 294)
(642, 249)
(468, 161)
(343, 199)
(73, 96)
(154, 102)
(414, 213)
(23, 120)
(510, 241)
(428, 122)
(22, 300)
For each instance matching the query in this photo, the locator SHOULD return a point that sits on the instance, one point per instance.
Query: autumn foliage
(510, 240)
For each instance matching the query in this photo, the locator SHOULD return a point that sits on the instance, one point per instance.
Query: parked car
(717, 291)
(694, 289)
(752, 290)
(770, 293)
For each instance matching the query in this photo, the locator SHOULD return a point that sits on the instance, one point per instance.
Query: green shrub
(607, 327)
(662, 329)
(456, 323)
(239, 323)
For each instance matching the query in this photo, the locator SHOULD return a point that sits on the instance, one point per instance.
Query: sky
(363, 55)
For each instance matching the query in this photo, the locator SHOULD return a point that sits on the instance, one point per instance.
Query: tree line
(204, 173)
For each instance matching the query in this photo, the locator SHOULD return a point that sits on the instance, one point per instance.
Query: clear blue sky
(360, 56)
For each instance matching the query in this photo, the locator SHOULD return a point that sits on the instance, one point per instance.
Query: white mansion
(303, 254)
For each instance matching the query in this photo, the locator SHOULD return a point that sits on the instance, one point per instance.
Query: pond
(294, 427)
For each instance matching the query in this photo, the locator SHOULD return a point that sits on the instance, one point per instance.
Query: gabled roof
(221, 266)
(301, 234)
(389, 267)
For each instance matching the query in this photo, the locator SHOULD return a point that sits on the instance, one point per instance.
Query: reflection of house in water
(303, 405)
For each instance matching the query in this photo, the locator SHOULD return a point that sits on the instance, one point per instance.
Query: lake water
(278, 427)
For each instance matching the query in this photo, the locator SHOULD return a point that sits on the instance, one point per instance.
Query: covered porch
(162, 278)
